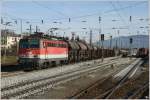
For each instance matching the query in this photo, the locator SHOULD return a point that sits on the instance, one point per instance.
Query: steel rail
(80, 93)
(73, 70)
(9, 74)
(139, 91)
(93, 85)
(6, 91)
(109, 93)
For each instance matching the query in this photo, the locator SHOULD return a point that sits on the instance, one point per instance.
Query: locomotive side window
(61, 45)
(50, 45)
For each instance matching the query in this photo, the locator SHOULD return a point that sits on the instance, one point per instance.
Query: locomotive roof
(55, 41)
(41, 35)
(50, 40)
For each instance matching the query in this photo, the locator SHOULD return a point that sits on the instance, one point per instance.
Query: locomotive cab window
(34, 43)
(29, 43)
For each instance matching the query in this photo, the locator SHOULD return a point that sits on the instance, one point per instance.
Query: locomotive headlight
(21, 61)
(22, 55)
(29, 53)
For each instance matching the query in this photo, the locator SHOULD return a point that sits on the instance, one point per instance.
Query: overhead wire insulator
(110, 37)
(131, 40)
(102, 37)
(42, 21)
(1, 20)
(69, 19)
(130, 18)
(15, 21)
(99, 19)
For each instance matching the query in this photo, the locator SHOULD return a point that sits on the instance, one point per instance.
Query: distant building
(9, 38)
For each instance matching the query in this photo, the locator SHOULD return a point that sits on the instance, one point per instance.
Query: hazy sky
(78, 11)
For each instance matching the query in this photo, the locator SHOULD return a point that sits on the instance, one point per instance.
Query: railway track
(7, 74)
(92, 91)
(140, 91)
(35, 75)
(124, 79)
(26, 88)
(20, 71)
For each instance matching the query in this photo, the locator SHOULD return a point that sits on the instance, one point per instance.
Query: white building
(9, 39)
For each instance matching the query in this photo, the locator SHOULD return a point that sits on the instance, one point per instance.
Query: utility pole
(21, 27)
(36, 28)
(102, 39)
(30, 29)
(84, 38)
(90, 37)
(131, 40)
(56, 34)
(17, 42)
(139, 40)
(116, 44)
(1, 20)
(110, 41)
(5, 41)
(99, 29)
(86, 35)
(121, 44)
(73, 35)
(118, 39)
(64, 34)
(130, 37)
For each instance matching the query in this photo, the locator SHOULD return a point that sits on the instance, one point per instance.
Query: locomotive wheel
(61, 62)
(38, 67)
(66, 62)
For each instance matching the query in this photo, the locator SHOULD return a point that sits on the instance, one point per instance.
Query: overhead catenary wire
(124, 22)
(77, 17)
(23, 20)
(58, 12)
(87, 15)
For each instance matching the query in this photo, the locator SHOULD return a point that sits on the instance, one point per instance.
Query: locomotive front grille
(28, 61)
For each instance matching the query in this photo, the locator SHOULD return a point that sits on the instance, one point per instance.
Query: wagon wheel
(44, 65)
(38, 67)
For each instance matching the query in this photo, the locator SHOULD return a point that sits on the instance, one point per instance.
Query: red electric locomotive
(37, 52)
(40, 51)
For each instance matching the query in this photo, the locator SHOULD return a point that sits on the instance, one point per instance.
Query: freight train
(136, 52)
(143, 52)
(39, 51)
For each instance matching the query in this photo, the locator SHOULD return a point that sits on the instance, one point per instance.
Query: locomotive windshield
(29, 43)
